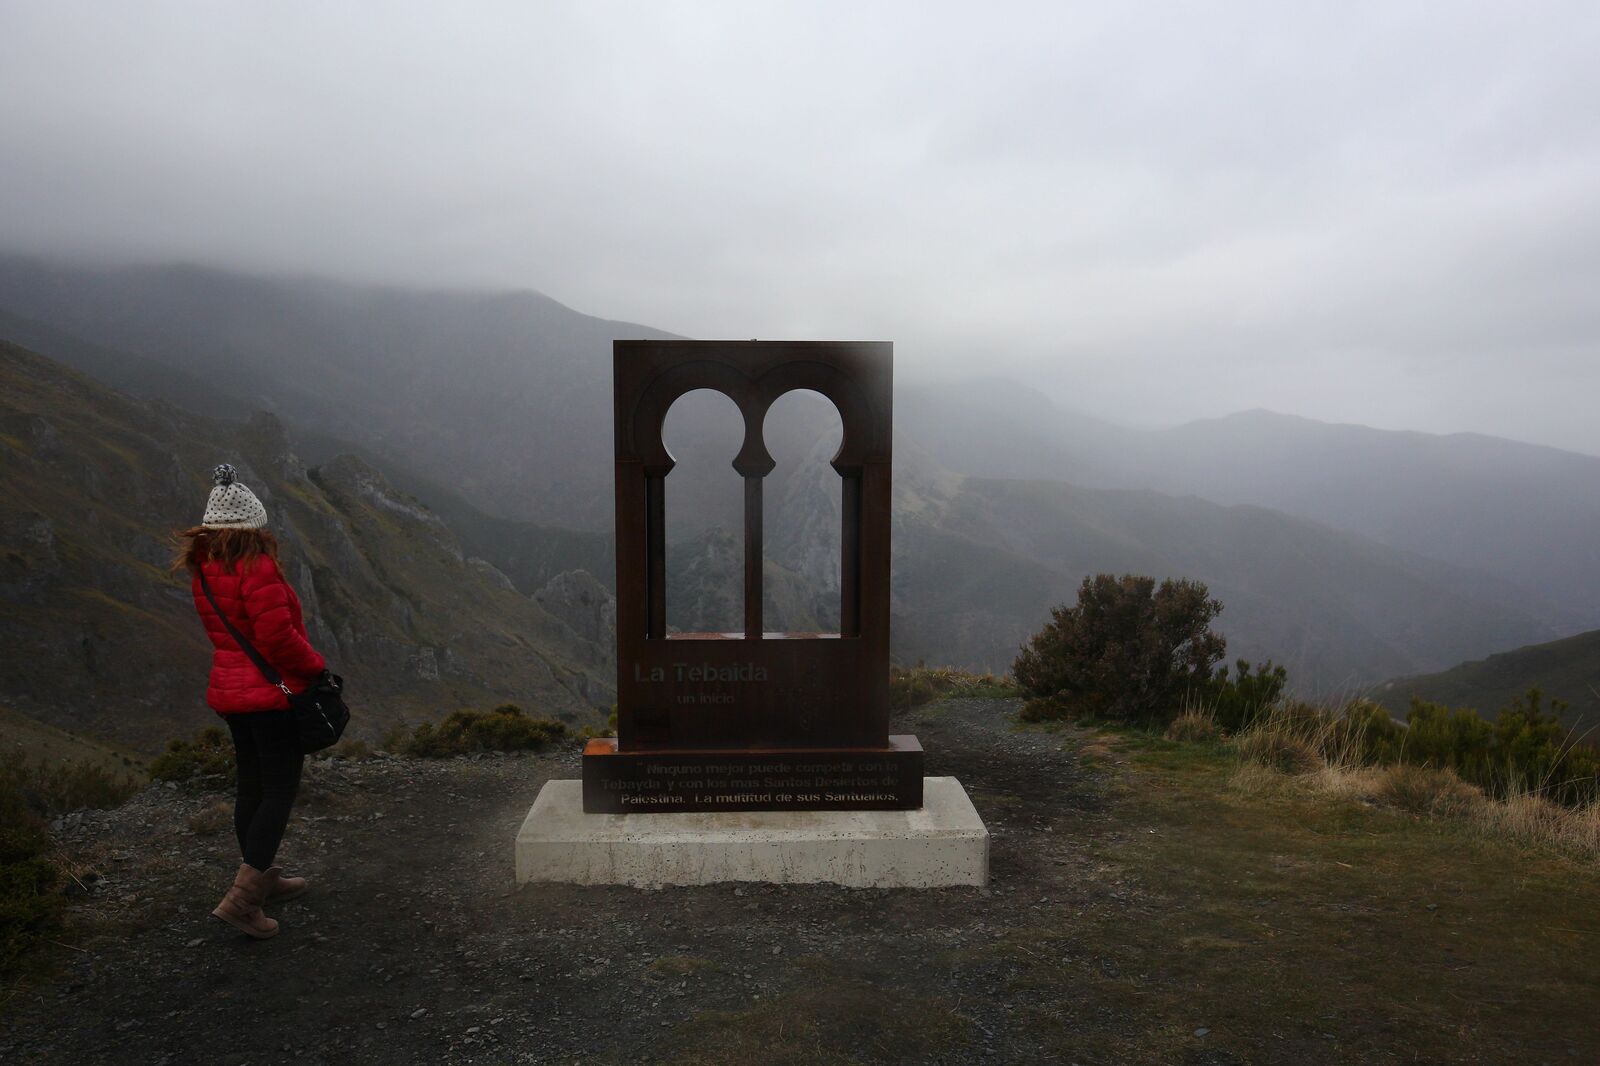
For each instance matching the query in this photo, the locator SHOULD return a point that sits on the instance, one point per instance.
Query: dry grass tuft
(1319, 757)
(348, 748)
(1279, 749)
(668, 966)
(505, 728)
(1425, 790)
(212, 819)
(924, 684)
(1345, 781)
(1253, 779)
(1193, 726)
(1530, 818)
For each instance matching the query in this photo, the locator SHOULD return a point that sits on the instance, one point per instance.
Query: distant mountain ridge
(1333, 607)
(495, 409)
(504, 396)
(1525, 513)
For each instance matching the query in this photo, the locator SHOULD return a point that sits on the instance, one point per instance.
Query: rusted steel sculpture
(752, 720)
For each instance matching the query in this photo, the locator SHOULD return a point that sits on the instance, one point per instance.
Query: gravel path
(415, 947)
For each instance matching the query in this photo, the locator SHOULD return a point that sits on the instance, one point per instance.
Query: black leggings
(267, 748)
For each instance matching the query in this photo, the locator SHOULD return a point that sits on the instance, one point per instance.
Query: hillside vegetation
(26, 741)
(1568, 670)
(1143, 656)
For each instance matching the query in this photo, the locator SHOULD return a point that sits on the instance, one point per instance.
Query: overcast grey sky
(1384, 213)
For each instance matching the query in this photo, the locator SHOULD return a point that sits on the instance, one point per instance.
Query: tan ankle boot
(282, 886)
(241, 907)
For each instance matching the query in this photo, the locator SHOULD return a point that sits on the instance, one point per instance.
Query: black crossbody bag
(319, 712)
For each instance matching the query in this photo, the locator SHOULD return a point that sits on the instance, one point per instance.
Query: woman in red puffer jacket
(238, 559)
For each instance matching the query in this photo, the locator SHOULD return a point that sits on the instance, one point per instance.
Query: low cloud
(1373, 213)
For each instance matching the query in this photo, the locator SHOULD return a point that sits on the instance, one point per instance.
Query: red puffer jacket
(262, 606)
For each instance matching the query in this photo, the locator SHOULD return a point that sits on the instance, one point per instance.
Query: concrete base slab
(944, 843)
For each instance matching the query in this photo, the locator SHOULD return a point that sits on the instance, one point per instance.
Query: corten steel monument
(752, 720)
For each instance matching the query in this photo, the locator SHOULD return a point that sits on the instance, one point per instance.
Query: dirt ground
(415, 947)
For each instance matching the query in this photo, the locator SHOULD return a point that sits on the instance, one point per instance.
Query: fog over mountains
(1523, 512)
(1350, 553)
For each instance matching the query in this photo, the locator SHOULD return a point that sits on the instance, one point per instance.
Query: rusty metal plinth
(887, 778)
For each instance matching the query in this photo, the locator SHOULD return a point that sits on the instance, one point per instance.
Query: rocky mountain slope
(102, 638)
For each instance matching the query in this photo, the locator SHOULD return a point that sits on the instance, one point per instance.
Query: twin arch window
(652, 375)
(796, 507)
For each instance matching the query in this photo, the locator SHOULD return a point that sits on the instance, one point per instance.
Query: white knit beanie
(232, 506)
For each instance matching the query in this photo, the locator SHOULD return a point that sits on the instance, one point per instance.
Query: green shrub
(1524, 749)
(1369, 734)
(395, 739)
(1047, 709)
(22, 834)
(1237, 702)
(31, 909)
(1539, 755)
(1457, 738)
(589, 732)
(1129, 650)
(910, 688)
(208, 759)
(30, 904)
(505, 728)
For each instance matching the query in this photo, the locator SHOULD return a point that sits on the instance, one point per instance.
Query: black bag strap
(249, 649)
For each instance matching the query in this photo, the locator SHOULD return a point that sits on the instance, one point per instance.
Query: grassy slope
(1278, 916)
(1567, 669)
(1291, 929)
(32, 741)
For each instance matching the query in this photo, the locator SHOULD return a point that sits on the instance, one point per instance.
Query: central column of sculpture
(752, 720)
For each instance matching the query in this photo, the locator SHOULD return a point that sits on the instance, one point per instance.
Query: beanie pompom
(222, 475)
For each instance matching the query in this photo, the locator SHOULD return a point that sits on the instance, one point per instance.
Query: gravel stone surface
(415, 946)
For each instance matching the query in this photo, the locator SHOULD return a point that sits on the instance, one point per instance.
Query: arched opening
(704, 499)
(802, 515)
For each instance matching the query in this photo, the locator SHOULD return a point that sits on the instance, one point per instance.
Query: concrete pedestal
(944, 843)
